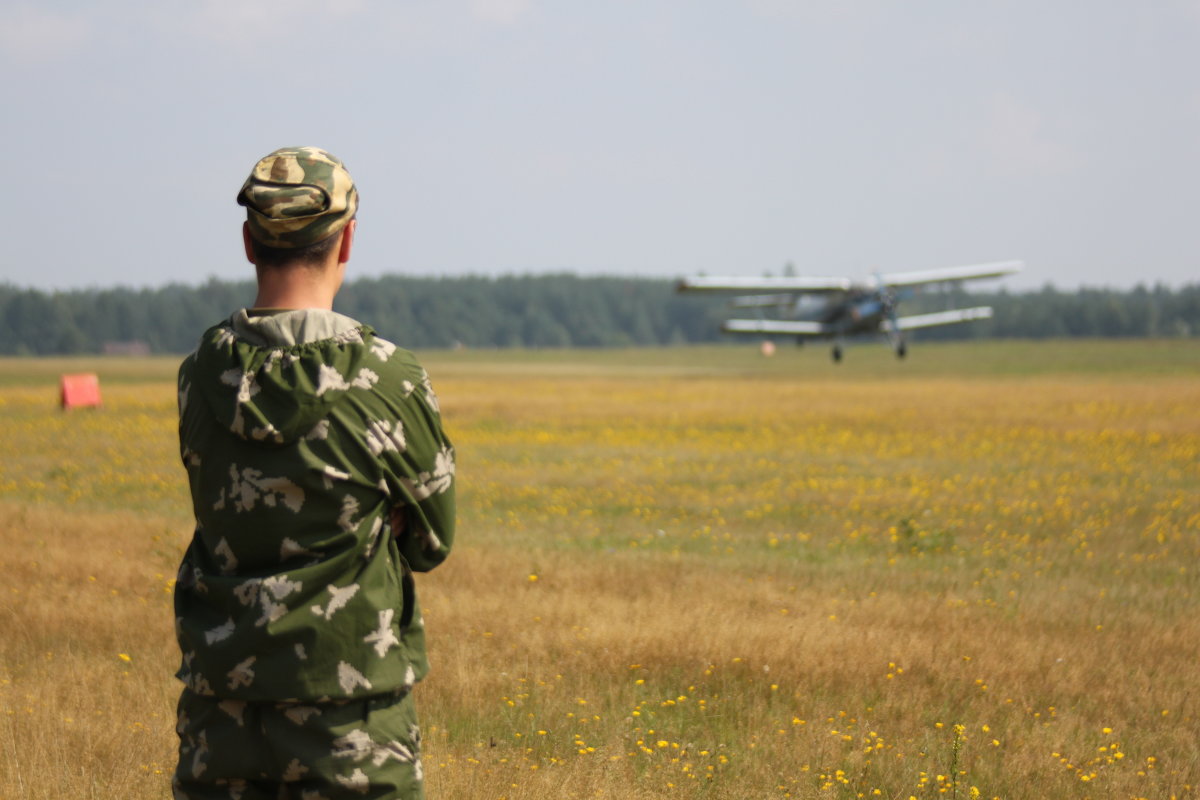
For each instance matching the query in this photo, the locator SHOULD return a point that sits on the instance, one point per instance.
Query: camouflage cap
(298, 196)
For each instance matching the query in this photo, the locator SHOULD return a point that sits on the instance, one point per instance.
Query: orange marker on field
(80, 391)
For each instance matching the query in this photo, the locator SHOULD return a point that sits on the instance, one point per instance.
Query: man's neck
(294, 288)
(292, 299)
(299, 285)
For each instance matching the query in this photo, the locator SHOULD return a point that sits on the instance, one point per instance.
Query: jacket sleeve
(421, 479)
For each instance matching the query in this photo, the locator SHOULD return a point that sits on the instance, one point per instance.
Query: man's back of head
(300, 207)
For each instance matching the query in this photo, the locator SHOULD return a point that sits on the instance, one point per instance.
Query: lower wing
(938, 318)
(775, 326)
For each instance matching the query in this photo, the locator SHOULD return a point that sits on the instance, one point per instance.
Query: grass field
(689, 573)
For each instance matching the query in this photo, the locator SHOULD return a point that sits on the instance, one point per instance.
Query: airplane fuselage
(859, 313)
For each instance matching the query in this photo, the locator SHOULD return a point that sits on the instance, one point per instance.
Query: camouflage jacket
(302, 431)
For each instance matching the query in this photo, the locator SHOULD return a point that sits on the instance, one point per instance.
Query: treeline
(1049, 313)
(543, 311)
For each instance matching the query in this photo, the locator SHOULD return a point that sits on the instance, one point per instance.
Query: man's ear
(347, 242)
(247, 242)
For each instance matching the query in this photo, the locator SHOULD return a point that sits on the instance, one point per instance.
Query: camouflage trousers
(234, 750)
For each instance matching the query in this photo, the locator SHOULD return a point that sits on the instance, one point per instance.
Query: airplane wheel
(837, 354)
(901, 350)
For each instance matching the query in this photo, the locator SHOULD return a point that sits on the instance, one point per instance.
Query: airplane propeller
(889, 301)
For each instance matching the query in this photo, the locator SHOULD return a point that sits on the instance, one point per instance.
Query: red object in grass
(80, 391)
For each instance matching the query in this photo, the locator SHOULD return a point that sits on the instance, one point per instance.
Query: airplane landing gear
(837, 354)
(901, 350)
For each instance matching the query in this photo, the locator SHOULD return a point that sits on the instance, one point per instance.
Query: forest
(543, 311)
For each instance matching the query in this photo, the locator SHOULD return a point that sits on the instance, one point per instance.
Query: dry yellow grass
(704, 581)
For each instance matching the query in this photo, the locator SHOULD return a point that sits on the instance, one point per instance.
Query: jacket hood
(271, 377)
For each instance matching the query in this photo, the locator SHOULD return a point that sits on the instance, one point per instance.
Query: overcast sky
(630, 138)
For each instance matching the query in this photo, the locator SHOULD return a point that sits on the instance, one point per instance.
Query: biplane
(837, 308)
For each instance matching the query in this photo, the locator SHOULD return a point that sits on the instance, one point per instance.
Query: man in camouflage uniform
(320, 480)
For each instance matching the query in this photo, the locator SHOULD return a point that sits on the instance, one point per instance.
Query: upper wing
(818, 283)
(994, 270)
(775, 326)
(939, 318)
(798, 283)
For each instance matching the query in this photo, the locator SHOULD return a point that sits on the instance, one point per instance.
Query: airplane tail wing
(938, 318)
(763, 301)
